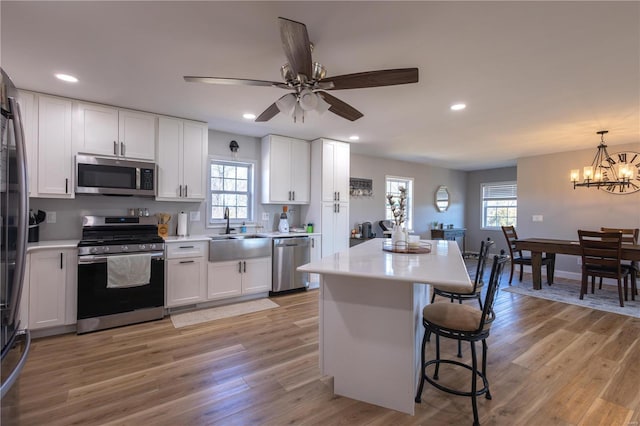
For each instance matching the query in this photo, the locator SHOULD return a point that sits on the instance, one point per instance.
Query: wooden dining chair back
(517, 257)
(601, 257)
(629, 237)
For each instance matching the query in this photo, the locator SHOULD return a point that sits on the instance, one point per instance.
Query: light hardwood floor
(549, 364)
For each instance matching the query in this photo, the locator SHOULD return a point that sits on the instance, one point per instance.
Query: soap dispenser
(283, 226)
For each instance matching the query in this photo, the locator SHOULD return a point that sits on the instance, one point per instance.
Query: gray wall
(544, 189)
(473, 212)
(426, 181)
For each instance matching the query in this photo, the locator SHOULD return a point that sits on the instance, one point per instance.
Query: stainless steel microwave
(114, 176)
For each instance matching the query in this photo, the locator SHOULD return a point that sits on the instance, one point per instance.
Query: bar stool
(462, 322)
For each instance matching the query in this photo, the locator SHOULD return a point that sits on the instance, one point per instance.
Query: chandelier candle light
(603, 171)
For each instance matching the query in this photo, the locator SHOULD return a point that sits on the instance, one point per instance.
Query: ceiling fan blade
(234, 81)
(340, 108)
(373, 79)
(268, 113)
(296, 46)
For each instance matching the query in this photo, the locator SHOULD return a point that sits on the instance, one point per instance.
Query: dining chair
(464, 293)
(462, 322)
(629, 236)
(601, 257)
(517, 258)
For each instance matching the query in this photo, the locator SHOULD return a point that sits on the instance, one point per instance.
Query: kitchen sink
(238, 247)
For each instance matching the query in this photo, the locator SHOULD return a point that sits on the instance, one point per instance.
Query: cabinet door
(315, 255)
(29, 111)
(341, 161)
(55, 156)
(195, 149)
(169, 158)
(137, 134)
(280, 170)
(328, 213)
(96, 129)
(328, 191)
(301, 171)
(225, 279)
(47, 288)
(185, 281)
(341, 228)
(256, 275)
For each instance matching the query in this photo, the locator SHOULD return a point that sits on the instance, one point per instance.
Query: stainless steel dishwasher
(288, 254)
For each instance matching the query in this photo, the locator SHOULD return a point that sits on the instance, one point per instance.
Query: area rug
(196, 317)
(565, 291)
(569, 292)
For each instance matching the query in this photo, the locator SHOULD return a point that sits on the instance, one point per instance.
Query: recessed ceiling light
(248, 116)
(354, 137)
(66, 77)
(458, 107)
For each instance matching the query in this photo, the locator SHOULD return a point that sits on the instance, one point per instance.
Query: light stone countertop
(203, 237)
(53, 244)
(443, 266)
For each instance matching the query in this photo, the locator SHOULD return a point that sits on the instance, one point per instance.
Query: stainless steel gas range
(120, 272)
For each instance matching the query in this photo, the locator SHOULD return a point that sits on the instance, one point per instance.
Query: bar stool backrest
(482, 261)
(488, 314)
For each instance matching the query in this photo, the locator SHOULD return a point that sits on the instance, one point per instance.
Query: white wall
(426, 181)
(544, 189)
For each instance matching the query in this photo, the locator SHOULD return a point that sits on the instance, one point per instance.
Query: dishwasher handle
(291, 242)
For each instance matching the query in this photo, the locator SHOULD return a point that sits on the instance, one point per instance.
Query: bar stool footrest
(443, 388)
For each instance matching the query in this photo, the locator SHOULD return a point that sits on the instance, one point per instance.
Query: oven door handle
(89, 259)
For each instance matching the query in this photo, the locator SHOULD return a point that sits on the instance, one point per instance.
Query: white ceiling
(538, 77)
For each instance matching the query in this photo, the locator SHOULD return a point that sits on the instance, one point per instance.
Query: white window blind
(499, 204)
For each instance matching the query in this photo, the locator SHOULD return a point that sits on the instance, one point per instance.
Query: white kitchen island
(370, 317)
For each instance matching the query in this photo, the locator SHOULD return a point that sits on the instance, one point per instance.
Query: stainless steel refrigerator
(14, 207)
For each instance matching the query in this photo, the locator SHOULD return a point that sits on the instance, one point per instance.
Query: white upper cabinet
(335, 171)
(181, 159)
(29, 111)
(55, 152)
(286, 170)
(104, 130)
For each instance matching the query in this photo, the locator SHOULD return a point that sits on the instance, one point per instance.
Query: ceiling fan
(308, 81)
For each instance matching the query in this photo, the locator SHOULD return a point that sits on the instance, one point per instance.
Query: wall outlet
(537, 218)
(51, 217)
(265, 216)
(194, 216)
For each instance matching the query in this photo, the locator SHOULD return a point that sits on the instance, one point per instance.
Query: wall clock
(629, 158)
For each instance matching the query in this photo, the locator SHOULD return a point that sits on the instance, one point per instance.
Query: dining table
(551, 247)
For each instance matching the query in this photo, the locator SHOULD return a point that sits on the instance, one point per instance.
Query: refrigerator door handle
(6, 385)
(23, 210)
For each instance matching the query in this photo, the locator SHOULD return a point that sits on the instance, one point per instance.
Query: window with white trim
(393, 185)
(499, 204)
(231, 185)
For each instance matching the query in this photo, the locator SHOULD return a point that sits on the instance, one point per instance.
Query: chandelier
(604, 171)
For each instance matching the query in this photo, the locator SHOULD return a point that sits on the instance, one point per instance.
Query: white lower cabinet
(52, 287)
(239, 277)
(186, 273)
(315, 254)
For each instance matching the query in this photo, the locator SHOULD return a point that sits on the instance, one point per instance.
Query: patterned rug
(203, 315)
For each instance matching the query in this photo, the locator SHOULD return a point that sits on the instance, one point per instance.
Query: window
(499, 204)
(393, 185)
(231, 185)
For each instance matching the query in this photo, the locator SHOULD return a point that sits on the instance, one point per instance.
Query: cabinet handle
(121, 148)
(115, 148)
(240, 267)
(66, 185)
(245, 266)
(338, 195)
(187, 261)
(294, 195)
(185, 191)
(61, 254)
(313, 243)
(180, 190)
(334, 208)
(186, 247)
(338, 206)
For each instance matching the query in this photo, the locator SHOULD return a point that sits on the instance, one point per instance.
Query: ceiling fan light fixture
(298, 113)
(323, 106)
(308, 100)
(287, 102)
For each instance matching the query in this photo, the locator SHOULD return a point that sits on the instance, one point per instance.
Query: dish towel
(131, 270)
